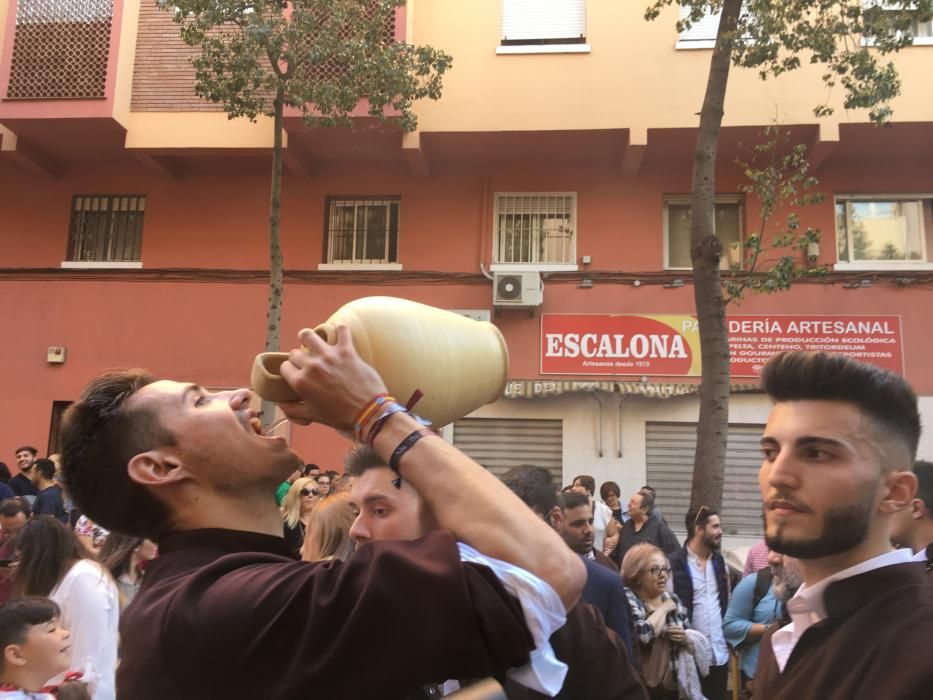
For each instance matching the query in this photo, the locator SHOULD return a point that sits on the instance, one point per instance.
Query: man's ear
(901, 489)
(156, 468)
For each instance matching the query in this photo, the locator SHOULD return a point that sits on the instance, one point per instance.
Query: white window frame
(682, 199)
(350, 265)
(539, 266)
(883, 265)
(548, 36)
(684, 42)
(915, 40)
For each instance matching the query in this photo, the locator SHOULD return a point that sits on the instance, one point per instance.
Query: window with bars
(106, 228)
(362, 230)
(535, 228)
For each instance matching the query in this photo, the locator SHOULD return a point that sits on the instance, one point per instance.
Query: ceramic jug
(457, 363)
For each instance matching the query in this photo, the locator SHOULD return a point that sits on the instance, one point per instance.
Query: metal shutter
(704, 30)
(530, 20)
(502, 443)
(669, 456)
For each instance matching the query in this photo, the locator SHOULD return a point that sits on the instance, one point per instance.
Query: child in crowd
(35, 647)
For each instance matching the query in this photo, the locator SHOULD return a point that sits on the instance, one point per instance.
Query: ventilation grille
(60, 49)
(332, 69)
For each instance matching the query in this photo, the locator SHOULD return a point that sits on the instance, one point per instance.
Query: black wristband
(406, 445)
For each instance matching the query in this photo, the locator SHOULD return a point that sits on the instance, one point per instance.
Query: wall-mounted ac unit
(517, 289)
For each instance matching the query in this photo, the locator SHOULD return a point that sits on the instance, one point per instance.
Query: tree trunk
(274, 313)
(706, 251)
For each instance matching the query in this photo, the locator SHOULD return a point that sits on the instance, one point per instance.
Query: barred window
(106, 228)
(535, 227)
(362, 230)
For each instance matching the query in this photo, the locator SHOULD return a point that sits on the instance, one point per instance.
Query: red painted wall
(214, 217)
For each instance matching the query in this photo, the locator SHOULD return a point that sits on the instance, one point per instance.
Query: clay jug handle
(327, 332)
(266, 379)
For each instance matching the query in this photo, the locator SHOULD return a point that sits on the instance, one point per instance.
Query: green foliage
(778, 175)
(322, 56)
(849, 37)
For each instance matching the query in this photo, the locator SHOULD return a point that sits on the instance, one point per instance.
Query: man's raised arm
(335, 384)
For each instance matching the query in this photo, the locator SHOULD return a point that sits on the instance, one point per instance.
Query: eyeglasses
(696, 520)
(655, 570)
(309, 492)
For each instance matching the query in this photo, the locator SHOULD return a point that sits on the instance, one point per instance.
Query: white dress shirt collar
(807, 607)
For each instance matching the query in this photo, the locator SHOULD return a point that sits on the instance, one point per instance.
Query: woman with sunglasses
(296, 511)
(659, 619)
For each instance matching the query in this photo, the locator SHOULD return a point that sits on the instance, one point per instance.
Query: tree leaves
(328, 55)
(850, 37)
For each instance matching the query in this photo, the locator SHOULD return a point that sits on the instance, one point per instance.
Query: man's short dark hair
(27, 448)
(533, 485)
(924, 472)
(100, 435)
(698, 517)
(46, 467)
(609, 487)
(11, 507)
(587, 482)
(649, 489)
(647, 501)
(575, 500)
(881, 394)
(360, 459)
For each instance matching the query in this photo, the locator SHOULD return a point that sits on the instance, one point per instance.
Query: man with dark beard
(838, 450)
(698, 577)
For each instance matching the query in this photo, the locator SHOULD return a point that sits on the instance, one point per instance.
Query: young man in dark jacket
(698, 577)
(838, 450)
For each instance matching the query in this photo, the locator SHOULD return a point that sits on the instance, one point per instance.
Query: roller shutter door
(500, 444)
(669, 457)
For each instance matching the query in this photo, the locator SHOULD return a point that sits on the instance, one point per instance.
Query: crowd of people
(418, 560)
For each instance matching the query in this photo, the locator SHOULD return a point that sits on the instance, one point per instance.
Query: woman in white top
(53, 563)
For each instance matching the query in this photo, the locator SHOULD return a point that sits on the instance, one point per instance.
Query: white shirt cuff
(544, 614)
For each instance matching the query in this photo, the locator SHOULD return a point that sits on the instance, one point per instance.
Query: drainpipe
(599, 424)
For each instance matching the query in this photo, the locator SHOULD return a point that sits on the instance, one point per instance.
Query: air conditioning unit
(517, 289)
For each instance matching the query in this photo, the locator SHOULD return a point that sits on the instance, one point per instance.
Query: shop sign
(669, 345)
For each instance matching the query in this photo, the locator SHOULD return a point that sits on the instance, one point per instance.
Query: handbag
(656, 668)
